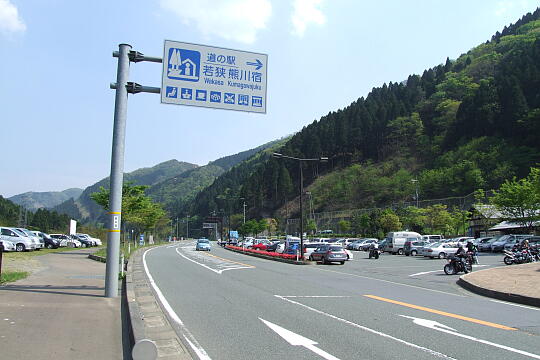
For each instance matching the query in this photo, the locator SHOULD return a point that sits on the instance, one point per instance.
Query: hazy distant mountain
(35, 200)
(84, 208)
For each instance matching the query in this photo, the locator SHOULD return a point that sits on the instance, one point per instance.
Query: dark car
(84, 241)
(329, 253)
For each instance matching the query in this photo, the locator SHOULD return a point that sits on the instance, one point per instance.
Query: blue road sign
(209, 76)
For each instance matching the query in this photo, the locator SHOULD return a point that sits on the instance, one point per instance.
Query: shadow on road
(48, 289)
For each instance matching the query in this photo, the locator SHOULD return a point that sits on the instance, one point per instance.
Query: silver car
(21, 241)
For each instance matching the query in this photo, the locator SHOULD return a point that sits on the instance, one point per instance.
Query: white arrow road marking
(418, 347)
(229, 266)
(298, 340)
(446, 329)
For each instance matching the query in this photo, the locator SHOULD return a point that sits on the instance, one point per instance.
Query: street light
(300, 160)
(415, 181)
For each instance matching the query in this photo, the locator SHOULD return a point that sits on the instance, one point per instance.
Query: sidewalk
(60, 312)
(514, 283)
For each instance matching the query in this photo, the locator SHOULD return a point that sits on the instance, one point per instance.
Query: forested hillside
(12, 214)
(466, 124)
(176, 192)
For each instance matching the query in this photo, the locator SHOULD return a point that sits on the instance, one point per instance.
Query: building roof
(510, 225)
(488, 211)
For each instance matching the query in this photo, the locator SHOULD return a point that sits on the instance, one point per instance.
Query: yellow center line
(236, 262)
(443, 313)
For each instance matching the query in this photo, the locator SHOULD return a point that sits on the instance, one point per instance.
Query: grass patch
(11, 276)
(30, 254)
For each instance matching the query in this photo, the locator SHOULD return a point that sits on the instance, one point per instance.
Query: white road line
(418, 347)
(214, 270)
(425, 272)
(518, 305)
(197, 348)
(391, 282)
(316, 296)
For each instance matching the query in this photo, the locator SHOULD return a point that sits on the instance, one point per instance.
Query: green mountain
(176, 192)
(36, 200)
(85, 209)
(467, 124)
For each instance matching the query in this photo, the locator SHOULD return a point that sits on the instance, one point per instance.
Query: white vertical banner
(72, 227)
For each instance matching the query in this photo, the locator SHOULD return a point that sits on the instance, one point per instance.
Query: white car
(21, 241)
(8, 245)
(440, 250)
(40, 244)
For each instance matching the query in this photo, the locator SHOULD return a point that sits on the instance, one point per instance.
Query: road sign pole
(117, 172)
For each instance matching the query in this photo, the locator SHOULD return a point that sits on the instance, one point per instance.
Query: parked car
(423, 251)
(261, 244)
(65, 240)
(441, 250)
(310, 247)
(49, 242)
(329, 253)
(498, 245)
(412, 246)
(21, 241)
(8, 245)
(432, 238)
(203, 245)
(515, 241)
(39, 243)
(366, 244)
(351, 246)
(484, 244)
(96, 241)
(86, 242)
(396, 240)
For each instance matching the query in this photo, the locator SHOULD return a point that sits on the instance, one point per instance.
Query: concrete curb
(270, 257)
(97, 258)
(510, 297)
(148, 320)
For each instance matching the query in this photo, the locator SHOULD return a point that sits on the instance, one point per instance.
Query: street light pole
(415, 181)
(187, 227)
(300, 160)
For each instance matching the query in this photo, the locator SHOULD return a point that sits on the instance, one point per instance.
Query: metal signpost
(195, 75)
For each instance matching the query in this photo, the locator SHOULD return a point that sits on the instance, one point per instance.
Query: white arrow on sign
(446, 329)
(298, 340)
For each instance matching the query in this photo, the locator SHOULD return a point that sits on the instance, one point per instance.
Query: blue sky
(56, 108)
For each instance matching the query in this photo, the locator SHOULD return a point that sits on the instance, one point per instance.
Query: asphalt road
(233, 306)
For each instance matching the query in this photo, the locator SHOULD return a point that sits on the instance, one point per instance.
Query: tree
(344, 226)
(519, 200)
(389, 221)
(137, 208)
(438, 219)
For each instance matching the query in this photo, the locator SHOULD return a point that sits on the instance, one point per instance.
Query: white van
(21, 241)
(395, 241)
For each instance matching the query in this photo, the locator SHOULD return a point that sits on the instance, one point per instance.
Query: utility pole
(415, 181)
(177, 227)
(244, 211)
(187, 227)
(117, 172)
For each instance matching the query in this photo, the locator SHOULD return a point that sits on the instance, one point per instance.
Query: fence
(329, 220)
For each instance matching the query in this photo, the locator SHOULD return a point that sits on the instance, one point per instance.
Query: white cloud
(238, 20)
(305, 13)
(10, 22)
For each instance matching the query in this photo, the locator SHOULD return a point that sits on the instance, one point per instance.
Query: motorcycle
(456, 265)
(518, 257)
(374, 253)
